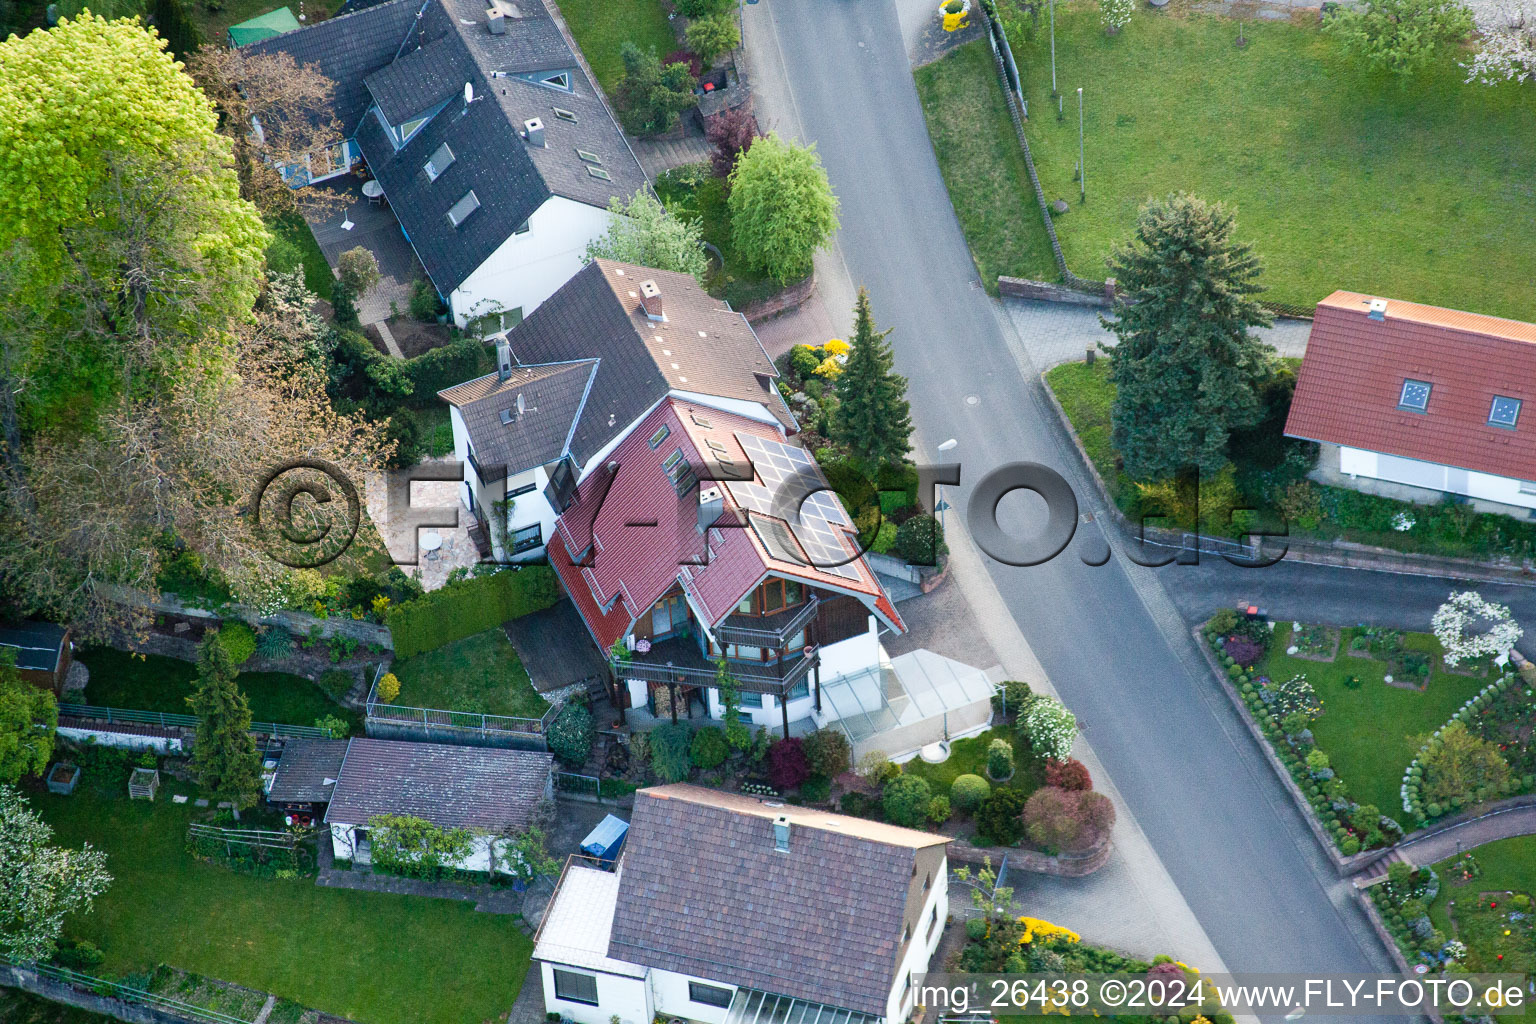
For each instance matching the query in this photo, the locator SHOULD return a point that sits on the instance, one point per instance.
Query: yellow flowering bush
(837, 347)
(1038, 928)
(829, 368)
(389, 687)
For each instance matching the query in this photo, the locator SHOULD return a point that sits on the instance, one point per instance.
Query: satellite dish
(469, 92)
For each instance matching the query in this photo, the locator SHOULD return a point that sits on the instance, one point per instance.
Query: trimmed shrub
(877, 769)
(709, 748)
(238, 640)
(669, 752)
(828, 752)
(1070, 774)
(919, 541)
(570, 734)
(816, 789)
(1015, 695)
(466, 607)
(906, 799)
(787, 764)
(999, 818)
(938, 809)
(1061, 820)
(968, 791)
(1000, 760)
(336, 683)
(389, 687)
(976, 928)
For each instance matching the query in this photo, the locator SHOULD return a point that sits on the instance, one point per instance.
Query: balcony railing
(681, 663)
(734, 630)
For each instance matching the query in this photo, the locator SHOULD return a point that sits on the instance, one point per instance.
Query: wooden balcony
(679, 661)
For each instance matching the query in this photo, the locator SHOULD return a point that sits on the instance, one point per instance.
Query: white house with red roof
(660, 468)
(1420, 396)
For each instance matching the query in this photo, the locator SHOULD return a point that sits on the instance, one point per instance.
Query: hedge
(471, 606)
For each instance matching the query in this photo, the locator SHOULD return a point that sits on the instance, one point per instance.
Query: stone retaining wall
(1062, 866)
(58, 992)
(790, 298)
(1020, 288)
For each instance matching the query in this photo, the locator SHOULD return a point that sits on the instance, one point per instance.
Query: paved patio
(374, 227)
(402, 533)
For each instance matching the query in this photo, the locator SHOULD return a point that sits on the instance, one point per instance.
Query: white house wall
(921, 946)
(527, 509)
(628, 999)
(1432, 475)
(344, 847)
(528, 268)
(854, 654)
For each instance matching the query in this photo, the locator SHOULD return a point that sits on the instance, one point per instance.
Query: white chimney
(533, 131)
(650, 300)
(503, 360)
(781, 833)
(1378, 309)
(496, 21)
(711, 505)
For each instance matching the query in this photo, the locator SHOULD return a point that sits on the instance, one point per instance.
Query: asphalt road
(1111, 640)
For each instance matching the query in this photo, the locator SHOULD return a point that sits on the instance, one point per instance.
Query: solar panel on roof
(814, 519)
(778, 539)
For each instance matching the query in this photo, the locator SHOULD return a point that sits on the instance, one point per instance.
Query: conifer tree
(873, 418)
(1186, 370)
(224, 759)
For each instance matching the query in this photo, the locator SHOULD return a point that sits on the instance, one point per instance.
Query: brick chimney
(650, 300)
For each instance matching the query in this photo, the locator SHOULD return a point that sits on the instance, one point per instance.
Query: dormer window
(442, 158)
(461, 210)
(1415, 396)
(410, 128)
(560, 80)
(1504, 413)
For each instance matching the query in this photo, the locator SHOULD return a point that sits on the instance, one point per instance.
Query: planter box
(63, 777)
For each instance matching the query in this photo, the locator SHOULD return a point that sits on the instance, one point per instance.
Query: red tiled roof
(1351, 382)
(645, 537)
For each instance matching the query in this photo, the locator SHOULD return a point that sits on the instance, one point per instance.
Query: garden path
(1437, 846)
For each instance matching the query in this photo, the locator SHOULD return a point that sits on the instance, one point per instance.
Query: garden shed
(490, 791)
(305, 776)
(42, 653)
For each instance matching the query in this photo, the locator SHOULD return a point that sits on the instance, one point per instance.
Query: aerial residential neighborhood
(767, 511)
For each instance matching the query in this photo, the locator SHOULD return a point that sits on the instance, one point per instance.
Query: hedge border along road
(466, 607)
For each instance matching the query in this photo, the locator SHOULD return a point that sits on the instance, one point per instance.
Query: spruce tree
(224, 759)
(1186, 370)
(873, 419)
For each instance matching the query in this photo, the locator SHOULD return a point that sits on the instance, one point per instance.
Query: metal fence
(436, 719)
(582, 785)
(248, 836)
(127, 993)
(166, 720)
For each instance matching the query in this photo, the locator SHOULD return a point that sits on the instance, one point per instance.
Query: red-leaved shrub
(1243, 650)
(787, 764)
(730, 134)
(1061, 820)
(695, 65)
(1070, 774)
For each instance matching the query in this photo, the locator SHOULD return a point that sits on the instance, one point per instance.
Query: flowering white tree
(1116, 14)
(1051, 728)
(1506, 45)
(40, 884)
(1469, 627)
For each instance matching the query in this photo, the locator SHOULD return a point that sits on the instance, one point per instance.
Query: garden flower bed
(1482, 753)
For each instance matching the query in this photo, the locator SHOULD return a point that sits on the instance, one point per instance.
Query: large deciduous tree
(1401, 36)
(1186, 370)
(28, 717)
(224, 755)
(40, 884)
(645, 232)
(1506, 41)
(782, 207)
(872, 418)
(292, 103)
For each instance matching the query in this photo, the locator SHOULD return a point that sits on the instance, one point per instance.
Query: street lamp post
(943, 505)
(1053, 49)
(1082, 170)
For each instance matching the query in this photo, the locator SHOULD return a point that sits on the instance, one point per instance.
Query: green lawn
(1086, 395)
(317, 272)
(213, 17)
(1508, 865)
(602, 27)
(694, 194)
(1342, 178)
(1368, 733)
(983, 166)
(969, 757)
(481, 673)
(123, 680)
(375, 958)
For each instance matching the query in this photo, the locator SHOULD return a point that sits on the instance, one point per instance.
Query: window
(932, 923)
(589, 157)
(461, 210)
(744, 606)
(526, 539)
(565, 115)
(774, 595)
(927, 882)
(575, 988)
(679, 472)
(1415, 395)
(521, 229)
(906, 934)
(598, 172)
(709, 995)
(660, 436)
(1505, 412)
(751, 700)
(441, 159)
(411, 127)
(560, 81)
(519, 491)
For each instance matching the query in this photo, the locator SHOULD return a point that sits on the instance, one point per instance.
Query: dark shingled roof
(304, 770)
(37, 644)
(447, 47)
(703, 892)
(705, 347)
(453, 787)
(347, 49)
(551, 394)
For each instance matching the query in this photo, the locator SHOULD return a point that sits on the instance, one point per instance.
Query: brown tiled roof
(1351, 382)
(470, 787)
(702, 891)
(307, 772)
(552, 394)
